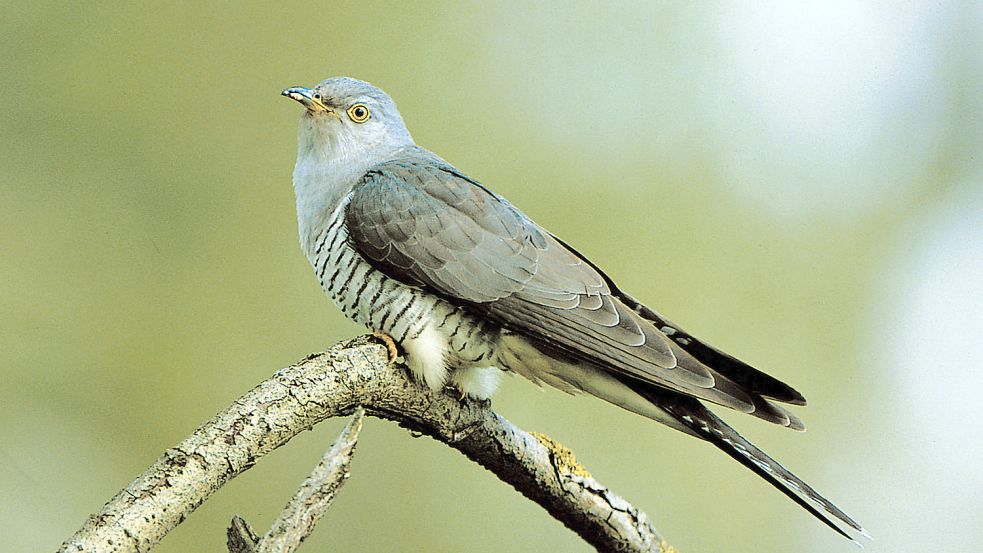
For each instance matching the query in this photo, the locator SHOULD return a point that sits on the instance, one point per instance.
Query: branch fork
(337, 383)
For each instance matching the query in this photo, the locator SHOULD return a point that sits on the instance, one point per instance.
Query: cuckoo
(468, 287)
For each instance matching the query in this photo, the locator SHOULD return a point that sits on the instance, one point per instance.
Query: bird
(467, 287)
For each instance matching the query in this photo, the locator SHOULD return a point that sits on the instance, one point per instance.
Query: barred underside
(369, 297)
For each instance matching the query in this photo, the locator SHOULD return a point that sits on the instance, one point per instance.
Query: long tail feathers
(739, 372)
(710, 427)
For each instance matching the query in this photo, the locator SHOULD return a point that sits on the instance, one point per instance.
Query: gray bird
(411, 247)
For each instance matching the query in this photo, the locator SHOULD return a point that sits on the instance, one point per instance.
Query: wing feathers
(423, 223)
(738, 371)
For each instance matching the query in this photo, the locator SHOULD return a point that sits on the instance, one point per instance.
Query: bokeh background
(807, 179)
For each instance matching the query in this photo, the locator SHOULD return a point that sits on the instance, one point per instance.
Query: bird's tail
(708, 426)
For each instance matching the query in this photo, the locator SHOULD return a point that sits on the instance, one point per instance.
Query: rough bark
(335, 383)
(308, 505)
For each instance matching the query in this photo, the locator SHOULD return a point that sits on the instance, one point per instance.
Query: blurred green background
(808, 178)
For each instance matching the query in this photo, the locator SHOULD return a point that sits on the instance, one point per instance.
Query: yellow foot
(456, 391)
(390, 344)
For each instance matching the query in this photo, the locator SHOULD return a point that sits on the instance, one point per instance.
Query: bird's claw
(391, 347)
(457, 391)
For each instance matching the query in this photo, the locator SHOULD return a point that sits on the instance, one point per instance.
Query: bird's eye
(317, 96)
(359, 113)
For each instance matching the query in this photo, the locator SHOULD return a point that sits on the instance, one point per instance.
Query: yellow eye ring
(358, 113)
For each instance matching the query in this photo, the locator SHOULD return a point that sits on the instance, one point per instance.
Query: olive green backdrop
(807, 179)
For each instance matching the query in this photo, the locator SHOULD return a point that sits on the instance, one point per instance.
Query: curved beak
(306, 96)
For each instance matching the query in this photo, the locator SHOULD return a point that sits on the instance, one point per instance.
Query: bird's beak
(306, 96)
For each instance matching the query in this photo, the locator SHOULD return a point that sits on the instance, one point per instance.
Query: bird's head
(348, 118)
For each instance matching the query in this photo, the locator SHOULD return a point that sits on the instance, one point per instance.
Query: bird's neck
(323, 178)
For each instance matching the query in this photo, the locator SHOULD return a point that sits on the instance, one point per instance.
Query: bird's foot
(457, 391)
(391, 347)
(463, 396)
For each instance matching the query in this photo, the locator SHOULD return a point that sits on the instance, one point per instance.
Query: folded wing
(420, 221)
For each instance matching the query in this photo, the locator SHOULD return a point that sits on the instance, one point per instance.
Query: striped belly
(435, 332)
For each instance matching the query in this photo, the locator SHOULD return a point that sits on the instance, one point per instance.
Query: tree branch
(308, 505)
(332, 384)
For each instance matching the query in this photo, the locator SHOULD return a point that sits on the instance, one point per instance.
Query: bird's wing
(421, 222)
(734, 369)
